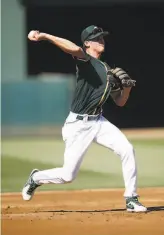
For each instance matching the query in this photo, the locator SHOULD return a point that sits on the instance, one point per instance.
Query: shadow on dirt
(150, 209)
(156, 208)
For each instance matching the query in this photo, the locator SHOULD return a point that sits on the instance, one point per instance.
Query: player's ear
(86, 44)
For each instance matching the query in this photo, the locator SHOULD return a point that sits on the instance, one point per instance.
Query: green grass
(149, 142)
(101, 168)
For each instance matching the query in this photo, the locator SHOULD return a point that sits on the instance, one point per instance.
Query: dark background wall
(136, 43)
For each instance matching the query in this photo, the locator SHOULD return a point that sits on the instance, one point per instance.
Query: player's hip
(76, 124)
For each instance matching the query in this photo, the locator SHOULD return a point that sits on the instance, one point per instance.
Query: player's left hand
(125, 79)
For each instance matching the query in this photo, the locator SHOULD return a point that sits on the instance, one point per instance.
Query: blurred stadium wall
(13, 44)
(28, 106)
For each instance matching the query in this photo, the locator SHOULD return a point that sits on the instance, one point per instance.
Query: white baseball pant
(78, 135)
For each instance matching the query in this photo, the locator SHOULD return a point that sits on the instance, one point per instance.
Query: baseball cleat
(29, 187)
(133, 205)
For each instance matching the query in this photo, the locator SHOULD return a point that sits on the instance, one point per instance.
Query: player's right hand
(35, 35)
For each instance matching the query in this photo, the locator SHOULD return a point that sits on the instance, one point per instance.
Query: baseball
(31, 34)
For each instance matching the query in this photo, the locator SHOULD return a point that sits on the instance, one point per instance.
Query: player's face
(98, 44)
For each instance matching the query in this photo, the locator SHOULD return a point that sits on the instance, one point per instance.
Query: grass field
(101, 168)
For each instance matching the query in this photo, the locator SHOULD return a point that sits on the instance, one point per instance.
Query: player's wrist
(43, 36)
(127, 89)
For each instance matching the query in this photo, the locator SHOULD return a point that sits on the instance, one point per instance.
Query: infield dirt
(90, 212)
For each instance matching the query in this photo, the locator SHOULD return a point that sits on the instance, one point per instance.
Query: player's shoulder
(86, 57)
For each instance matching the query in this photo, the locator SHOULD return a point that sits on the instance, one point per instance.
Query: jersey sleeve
(79, 61)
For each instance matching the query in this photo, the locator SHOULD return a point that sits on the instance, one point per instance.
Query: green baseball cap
(92, 32)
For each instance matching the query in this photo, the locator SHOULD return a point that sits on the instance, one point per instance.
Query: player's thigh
(77, 136)
(111, 137)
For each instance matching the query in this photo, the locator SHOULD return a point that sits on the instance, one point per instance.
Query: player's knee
(130, 148)
(128, 151)
(68, 176)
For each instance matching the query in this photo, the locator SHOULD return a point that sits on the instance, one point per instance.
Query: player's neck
(94, 54)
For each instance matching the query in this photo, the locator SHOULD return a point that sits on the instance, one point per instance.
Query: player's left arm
(124, 84)
(120, 97)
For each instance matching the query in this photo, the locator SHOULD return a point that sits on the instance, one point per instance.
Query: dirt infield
(89, 212)
(144, 133)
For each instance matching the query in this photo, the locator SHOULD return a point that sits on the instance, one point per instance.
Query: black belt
(89, 118)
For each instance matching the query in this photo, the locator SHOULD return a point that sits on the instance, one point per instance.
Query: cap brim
(98, 35)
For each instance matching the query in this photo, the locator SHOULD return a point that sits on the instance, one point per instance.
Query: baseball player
(96, 81)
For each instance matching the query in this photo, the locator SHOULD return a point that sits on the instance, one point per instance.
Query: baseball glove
(124, 78)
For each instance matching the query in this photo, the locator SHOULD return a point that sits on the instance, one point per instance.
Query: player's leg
(78, 136)
(111, 137)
